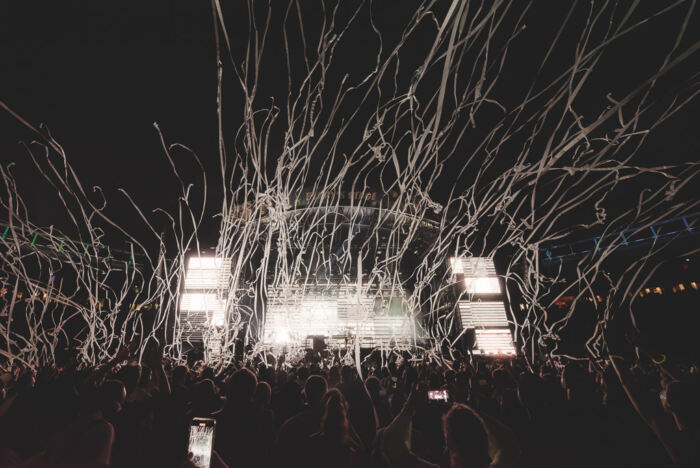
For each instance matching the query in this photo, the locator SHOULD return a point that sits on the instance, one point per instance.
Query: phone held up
(438, 396)
(202, 441)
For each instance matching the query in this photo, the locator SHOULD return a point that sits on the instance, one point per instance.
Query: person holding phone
(393, 443)
(201, 441)
(438, 396)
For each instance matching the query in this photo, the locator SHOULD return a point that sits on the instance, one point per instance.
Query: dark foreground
(500, 414)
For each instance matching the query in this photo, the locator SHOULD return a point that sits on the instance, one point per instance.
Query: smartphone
(437, 395)
(202, 441)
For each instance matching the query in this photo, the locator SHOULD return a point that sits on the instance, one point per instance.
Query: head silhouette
(240, 387)
(180, 374)
(110, 397)
(314, 389)
(466, 439)
(347, 374)
(334, 423)
(130, 376)
(263, 395)
(303, 374)
(205, 398)
(373, 386)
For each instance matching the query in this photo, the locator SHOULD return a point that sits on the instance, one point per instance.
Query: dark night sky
(100, 73)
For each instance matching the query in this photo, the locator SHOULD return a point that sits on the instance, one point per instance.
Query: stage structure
(202, 314)
(339, 315)
(341, 273)
(340, 278)
(337, 266)
(481, 305)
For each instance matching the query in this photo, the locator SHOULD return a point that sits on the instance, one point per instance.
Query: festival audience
(317, 412)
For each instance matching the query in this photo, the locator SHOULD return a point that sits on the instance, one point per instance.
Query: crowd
(499, 413)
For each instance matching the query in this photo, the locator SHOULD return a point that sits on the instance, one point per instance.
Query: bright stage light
(483, 314)
(217, 320)
(291, 319)
(494, 342)
(293, 323)
(313, 312)
(205, 263)
(482, 285)
(207, 273)
(487, 317)
(281, 336)
(203, 300)
(204, 303)
(200, 302)
(456, 265)
(472, 266)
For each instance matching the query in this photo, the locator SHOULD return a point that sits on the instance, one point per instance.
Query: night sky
(98, 74)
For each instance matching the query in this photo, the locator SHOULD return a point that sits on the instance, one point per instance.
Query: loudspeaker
(319, 344)
(467, 341)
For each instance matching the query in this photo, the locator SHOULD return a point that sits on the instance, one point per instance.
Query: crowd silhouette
(500, 413)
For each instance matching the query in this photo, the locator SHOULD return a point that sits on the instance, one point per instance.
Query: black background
(99, 74)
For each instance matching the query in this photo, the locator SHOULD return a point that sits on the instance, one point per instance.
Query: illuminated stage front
(294, 316)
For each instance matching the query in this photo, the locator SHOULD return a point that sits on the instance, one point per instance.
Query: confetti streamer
(364, 183)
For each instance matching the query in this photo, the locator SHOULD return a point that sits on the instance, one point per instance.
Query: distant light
(482, 285)
(217, 320)
(291, 322)
(494, 342)
(200, 302)
(201, 263)
(206, 303)
(472, 266)
(281, 336)
(483, 314)
(457, 266)
(291, 319)
(681, 286)
(207, 273)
